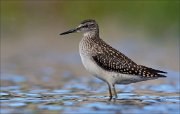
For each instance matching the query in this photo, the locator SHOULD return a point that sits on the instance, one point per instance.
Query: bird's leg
(114, 90)
(110, 92)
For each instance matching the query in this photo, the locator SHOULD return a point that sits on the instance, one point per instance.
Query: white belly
(90, 65)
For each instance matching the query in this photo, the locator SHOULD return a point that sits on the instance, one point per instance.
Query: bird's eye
(85, 26)
(92, 25)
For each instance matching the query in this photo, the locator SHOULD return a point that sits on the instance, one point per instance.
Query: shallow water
(90, 95)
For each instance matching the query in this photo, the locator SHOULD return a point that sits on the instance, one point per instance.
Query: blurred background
(146, 31)
(37, 63)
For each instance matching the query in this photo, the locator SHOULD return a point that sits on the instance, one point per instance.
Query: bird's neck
(91, 34)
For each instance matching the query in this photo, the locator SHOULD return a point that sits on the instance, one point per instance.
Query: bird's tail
(157, 73)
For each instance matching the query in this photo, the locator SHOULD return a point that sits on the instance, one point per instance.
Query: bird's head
(86, 27)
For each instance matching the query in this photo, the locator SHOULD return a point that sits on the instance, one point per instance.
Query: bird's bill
(69, 31)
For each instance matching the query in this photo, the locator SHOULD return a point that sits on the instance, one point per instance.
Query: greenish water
(153, 17)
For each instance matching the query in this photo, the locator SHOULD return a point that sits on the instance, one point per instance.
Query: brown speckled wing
(114, 64)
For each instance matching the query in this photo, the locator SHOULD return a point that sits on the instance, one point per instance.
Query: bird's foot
(110, 98)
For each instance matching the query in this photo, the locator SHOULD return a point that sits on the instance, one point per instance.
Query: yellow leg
(114, 90)
(110, 92)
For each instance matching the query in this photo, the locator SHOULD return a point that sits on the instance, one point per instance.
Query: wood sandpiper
(107, 63)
